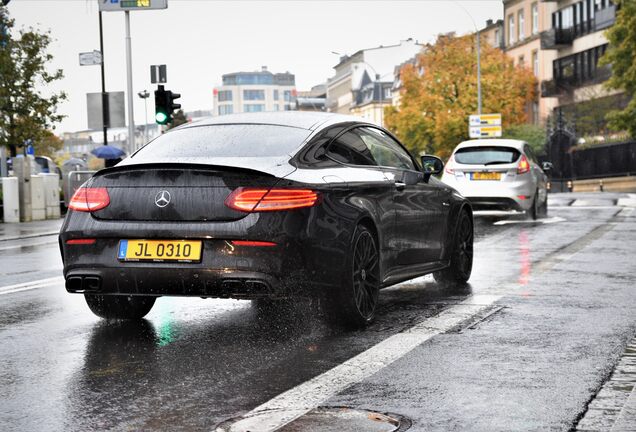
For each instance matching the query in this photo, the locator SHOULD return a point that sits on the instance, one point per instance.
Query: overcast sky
(200, 40)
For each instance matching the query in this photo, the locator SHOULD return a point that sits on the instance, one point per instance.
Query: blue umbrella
(108, 152)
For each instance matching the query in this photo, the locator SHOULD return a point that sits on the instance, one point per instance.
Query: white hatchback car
(498, 174)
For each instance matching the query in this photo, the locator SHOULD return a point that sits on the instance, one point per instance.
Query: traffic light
(164, 105)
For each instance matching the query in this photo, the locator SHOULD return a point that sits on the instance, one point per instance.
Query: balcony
(550, 89)
(605, 17)
(559, 86)
(557, 38)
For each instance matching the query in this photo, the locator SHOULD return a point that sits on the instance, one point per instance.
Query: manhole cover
(323, 419)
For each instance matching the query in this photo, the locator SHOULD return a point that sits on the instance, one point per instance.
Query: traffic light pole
(131, 113)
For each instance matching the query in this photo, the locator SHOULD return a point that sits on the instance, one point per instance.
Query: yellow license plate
(160, 250)
(486, 176)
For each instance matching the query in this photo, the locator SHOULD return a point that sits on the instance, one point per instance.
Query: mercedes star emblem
(162, 198)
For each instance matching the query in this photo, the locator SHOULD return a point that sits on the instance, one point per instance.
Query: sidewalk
(23, 230)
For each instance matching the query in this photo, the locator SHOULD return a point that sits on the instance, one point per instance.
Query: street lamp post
(144, 95)
(477, 33)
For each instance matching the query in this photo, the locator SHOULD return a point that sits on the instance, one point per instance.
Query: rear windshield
(244, 140)
(486, 155)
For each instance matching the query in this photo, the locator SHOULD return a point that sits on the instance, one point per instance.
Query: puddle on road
(323, 419)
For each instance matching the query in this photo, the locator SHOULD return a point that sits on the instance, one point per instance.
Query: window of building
(522, 61)
(580, 67)
(511, 29)
(225, 95)
(521, 24)
(387, 92)
(497, 37)
(253, 107)
(225, 109)
(535, 18)
(535, 112)
(287, 107)
(254, 94)
(276, 107)
(535, 62)
(287, 94)
(275, 95)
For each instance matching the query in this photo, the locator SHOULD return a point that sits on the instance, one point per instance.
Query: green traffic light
(161, 117)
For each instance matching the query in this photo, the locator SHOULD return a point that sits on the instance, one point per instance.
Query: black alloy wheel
(358, 299)
(461, 261)
(119, 306)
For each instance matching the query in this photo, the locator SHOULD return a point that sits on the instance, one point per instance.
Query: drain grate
(323, 419)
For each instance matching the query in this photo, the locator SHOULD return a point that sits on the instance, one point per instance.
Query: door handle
(445, 204)
(400, 185)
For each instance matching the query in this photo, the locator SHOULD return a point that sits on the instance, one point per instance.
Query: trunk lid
(174, 192)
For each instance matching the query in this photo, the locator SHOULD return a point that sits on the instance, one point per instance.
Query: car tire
(534, 211)
(354, 304)
(543, 211)
(119, 306)
(461, 261)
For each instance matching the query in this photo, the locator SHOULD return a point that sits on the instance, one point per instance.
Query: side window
(527, 150)
(385, 150)
(349, 148)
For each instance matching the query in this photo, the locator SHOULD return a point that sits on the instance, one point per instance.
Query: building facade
(362, 82)
(576, 39)
(254, 92)
(524, 23)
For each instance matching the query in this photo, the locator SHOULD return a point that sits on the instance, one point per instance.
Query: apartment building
(254, 92)
(362, 81)
(524, 22)
(576, 37)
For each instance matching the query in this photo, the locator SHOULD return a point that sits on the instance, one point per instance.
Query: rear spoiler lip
(279, 171)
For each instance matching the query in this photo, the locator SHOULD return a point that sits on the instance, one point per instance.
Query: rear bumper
(495, 195)
(308, 259)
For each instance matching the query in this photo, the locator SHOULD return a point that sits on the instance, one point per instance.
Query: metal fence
(610, 160)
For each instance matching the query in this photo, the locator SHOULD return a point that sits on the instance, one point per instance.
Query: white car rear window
(486, 155)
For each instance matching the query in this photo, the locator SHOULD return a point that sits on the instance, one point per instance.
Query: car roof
(299, 119)
(492, 142)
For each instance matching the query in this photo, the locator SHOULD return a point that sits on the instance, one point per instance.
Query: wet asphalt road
(566, 309)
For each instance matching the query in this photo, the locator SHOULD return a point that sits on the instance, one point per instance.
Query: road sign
(90, 58)
(131, 5)
(115, 110)
(158, 74)
(484, 126)
(484, 120)
(485, 131)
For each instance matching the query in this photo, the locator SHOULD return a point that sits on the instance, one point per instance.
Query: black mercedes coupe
(268, 207)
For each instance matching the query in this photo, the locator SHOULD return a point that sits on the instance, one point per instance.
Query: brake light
(256, 199)
(89, 199)
(82, 241)
(524, 165)
(448, 168)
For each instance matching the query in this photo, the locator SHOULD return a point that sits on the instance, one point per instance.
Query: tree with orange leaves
(439, 92)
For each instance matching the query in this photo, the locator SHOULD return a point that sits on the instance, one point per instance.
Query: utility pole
(478, 73)
(131, 113)
(105, 107)
(144, 95)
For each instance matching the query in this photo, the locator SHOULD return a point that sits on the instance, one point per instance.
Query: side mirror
(547, 166)
(431, 165)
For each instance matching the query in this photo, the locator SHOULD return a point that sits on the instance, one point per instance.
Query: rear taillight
(89, 199)
(524, 165)
(448, 168)
(81, 241)
(256, 199)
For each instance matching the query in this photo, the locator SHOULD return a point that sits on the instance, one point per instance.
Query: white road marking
(27, 245)
(554, 219)
(26, 286)
(301, 399)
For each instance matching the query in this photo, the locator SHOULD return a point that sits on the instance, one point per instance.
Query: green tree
(25, 113)
(178, 119)
(435, 104)
(620, 55)
(534, 135)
